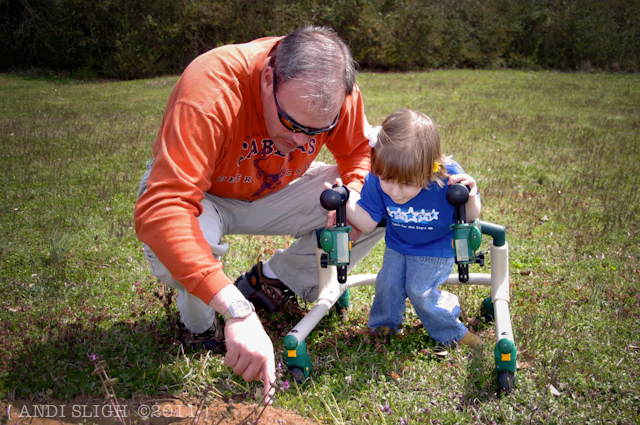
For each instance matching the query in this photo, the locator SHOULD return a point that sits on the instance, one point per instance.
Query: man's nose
(301, 138)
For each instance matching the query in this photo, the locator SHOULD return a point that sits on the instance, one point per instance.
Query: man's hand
(249, 349)
(331, 216)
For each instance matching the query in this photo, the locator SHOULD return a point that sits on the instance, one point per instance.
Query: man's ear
(266, 81)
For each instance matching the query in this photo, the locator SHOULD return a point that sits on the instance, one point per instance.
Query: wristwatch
(238, 309)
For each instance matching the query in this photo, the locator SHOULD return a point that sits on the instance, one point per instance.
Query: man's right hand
(250, 351)
(249, 348)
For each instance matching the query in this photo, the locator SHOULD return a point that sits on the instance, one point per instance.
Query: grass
(555, 156)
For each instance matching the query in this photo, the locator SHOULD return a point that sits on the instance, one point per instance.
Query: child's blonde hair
(407, 150)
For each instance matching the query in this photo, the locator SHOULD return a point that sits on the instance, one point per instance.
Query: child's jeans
(418, 279)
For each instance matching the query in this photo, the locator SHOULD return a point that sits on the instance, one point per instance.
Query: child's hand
(473, 205)
(466, 180)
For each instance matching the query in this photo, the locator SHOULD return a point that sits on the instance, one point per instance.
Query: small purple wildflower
(386, 408)
(285, 385)
(92, 357)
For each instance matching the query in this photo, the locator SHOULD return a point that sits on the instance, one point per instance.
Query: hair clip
(373, 135)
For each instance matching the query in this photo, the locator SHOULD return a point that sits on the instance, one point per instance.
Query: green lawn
(556, 157)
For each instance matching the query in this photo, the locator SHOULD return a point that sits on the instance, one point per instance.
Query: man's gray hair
(320, 59)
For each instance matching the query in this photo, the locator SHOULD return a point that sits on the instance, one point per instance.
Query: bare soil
(170, 410)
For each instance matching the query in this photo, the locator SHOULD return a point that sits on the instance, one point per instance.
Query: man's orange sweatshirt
(213, 139)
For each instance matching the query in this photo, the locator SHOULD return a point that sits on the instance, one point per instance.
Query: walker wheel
(506, 381)
(340, 311)
(297, 374)
(486, 310)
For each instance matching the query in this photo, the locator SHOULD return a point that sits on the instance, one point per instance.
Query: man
(234, 155)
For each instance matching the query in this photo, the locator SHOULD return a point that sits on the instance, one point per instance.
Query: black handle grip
(332, 198)
(336, 199)
(458, 195)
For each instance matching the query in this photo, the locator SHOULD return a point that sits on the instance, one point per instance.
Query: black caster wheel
(506, 382)
(340, 311)
(297, 374)
(486, 310)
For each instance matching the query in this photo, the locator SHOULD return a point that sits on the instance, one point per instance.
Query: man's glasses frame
(293, 126)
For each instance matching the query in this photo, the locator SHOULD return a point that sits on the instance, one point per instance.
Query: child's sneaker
(270, 294)
(471, 340)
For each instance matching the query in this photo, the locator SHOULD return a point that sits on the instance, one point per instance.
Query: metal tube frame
(330, 291)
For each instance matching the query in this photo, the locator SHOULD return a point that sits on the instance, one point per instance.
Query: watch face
(238, 310)
(241, 309)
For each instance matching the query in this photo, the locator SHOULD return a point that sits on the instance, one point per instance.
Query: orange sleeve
(194, 140)
(166, 214)
(349, 145)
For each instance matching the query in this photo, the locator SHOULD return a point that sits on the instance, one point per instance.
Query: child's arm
(473, 205)
(356, 215)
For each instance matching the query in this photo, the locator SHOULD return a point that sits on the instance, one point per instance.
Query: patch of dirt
(170, 410)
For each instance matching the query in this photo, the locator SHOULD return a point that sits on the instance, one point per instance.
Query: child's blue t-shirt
(422, 226)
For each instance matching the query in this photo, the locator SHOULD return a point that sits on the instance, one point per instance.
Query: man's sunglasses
(294, 126)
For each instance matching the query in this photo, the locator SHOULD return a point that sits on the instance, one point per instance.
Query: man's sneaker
(270, 294)
(212, 339)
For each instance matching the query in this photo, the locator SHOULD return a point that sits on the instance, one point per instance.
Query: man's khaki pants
(293, 210)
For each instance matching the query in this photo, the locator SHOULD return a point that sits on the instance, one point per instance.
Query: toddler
(408, 185)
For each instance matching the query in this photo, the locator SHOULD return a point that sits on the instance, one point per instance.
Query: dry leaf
(553, 390)
(526, 361)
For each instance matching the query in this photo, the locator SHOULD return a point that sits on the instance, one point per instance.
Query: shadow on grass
(59, 364)
(145, 354)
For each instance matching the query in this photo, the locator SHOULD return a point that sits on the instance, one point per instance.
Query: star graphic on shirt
(428, 217)
(412, 216)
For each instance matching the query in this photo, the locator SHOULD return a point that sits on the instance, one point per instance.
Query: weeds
(555, 156)
(107, 385)
(200, 415)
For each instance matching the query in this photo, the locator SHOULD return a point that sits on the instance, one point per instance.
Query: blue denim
(418, 279)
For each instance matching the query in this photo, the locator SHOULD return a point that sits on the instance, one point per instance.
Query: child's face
(399, 193)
